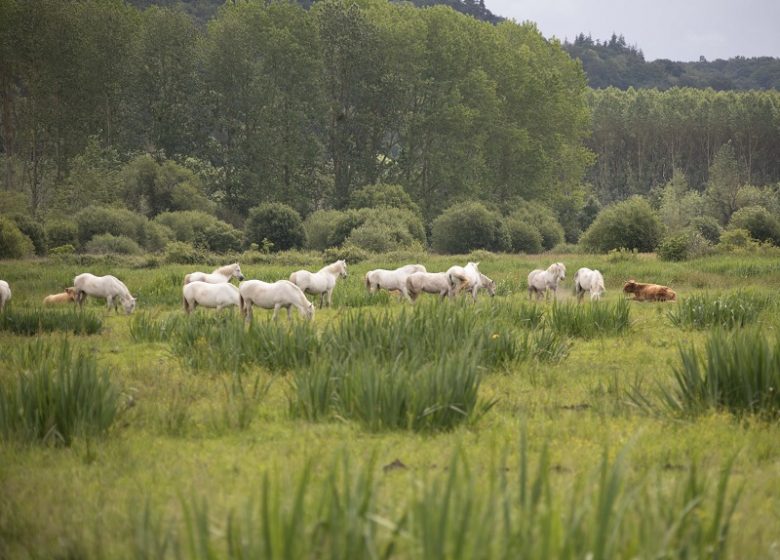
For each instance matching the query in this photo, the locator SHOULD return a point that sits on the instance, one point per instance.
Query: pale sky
(680, 30)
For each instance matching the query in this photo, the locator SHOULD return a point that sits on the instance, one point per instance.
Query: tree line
(615, 63)
(271, 102)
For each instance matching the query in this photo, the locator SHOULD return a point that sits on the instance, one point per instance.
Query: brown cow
(68, 295)
(649, 292)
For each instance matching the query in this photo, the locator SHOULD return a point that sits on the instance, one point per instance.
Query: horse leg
(330, 298)
(276, 310)
(289, 312)
(322, 300)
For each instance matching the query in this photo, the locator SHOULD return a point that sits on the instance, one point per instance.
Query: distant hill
(615, 63)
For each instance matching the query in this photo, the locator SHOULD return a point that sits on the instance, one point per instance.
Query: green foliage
(383, 195)
(687, 244)
(737, 240)
(738, 372)
(708, 227)
(151, 188)
(467, 226)
(33, 230)
(178, 252)
(66, 249)
(95, 220)
(189, 224)
(525, 237)
(107, 244)
(278, 223)
(320, 226)
(727, 311)
(59, 394)
(762, 225)
(348, 252)
(541, 217)
(61, 232)
(219, 237)
(32, 322)
(13, 243)
(630, 224)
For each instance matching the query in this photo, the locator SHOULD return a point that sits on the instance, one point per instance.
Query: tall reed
(738, 372)
(338, 511)
(590, 320)
(729, 310)
(58, 394)
(30, 322)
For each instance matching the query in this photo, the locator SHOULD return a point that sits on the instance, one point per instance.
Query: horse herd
(214, 290)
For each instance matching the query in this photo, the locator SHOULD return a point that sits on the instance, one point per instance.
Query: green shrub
(34, 230)
(276, 222)
(219, 237)
(738, 372)
(320, 226)
(759, 222)
(737, 240)
(107, 244)
(62, 250)
(674, 247)
(62, 232)
(186, 225)
(708, 227)
(525, 237)
(156, 236)
(467, 226)
(380, 237)
(13, 243)
(629, 224)
(178, 252)
(542, 218)
(58, 395)
(383, 195)
(96, 220)
(348, 252)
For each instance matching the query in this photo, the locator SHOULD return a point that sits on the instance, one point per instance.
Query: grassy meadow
(505, 428)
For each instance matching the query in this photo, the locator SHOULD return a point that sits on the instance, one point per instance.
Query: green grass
(30, 322)
(385, 429)
(729, 310)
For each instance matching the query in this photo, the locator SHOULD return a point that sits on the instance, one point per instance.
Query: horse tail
(368, 283)
(186, 279)
(241, 305)
(185, 304)
(410, 288)
(292, 278)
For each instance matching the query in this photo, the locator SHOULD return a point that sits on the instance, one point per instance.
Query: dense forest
(615, 63)
(341, 106)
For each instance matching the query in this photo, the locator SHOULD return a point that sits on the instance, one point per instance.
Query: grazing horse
(219, 276)
(464, 278)
(5, 293)
(282, 293)
(428, 282)
(649, 292)
(108, 287)
(587, 280)
(64, 297)
(391, 279)
(321, 282)
(542, 281)
(214, 296)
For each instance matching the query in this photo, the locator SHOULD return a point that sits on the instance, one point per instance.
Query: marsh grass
(738, 372)
(145, 327)
(241, 400)
(459, 512)
(30, 322)
(58, 394)
(727, 311)
(590, 320)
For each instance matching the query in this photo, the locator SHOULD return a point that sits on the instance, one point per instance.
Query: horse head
(342, 268)
(237, 272)
(129, 304)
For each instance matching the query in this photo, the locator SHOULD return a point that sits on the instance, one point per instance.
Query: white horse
(391, 279)
(541, 281)
(273, 296)
(108, 287)
(321, 282)
(464, 278)
(428, 282)
(5, 293)
(217, 296)
(587, 280)
(219, 276)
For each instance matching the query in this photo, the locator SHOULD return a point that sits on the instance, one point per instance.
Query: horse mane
(226, 270)
(331, 267)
